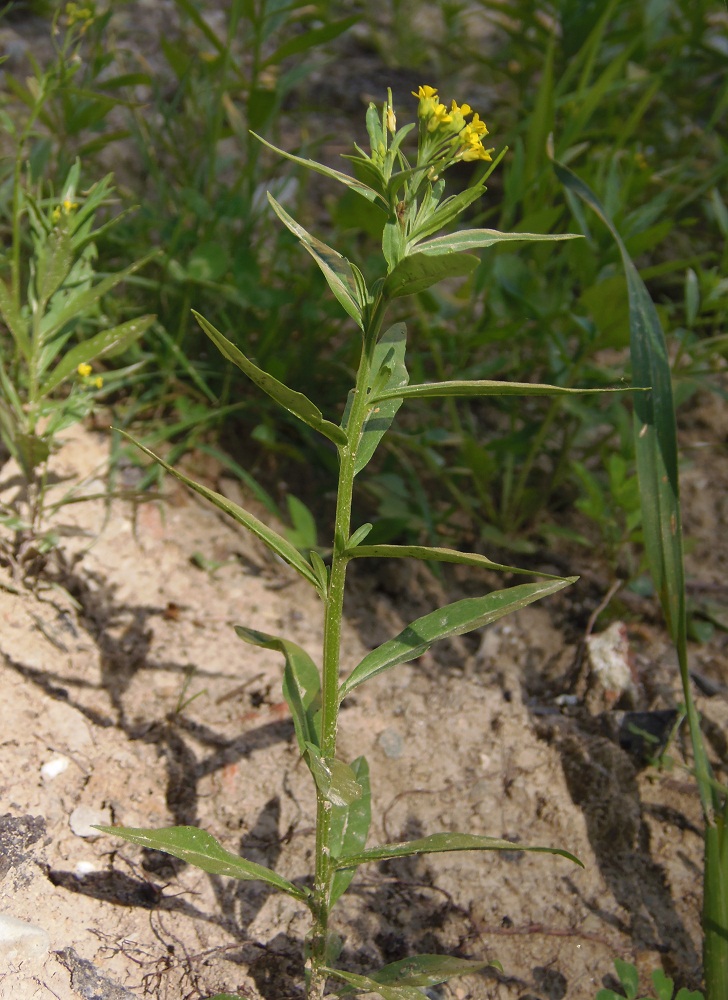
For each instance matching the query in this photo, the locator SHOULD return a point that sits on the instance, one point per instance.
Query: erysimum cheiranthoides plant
(412, 195)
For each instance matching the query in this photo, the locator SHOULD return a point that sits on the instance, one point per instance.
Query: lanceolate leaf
(349, 828)
(439, 843)
(419, 271)
(428, 970)
(339, 272)
(388, 371)
(295, 402)
(277, 543)
(200, 849)
(454, 619)
(101, 344)
(334, 779)
(474, 239)
(386, 992)
(483, 387)
(363, 189)
(301, 683)
(434, 554)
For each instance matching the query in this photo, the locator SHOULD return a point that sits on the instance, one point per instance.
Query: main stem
(333, 613)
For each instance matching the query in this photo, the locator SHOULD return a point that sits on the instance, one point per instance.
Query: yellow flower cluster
(65, 208)
(84, 370)
(467, 137)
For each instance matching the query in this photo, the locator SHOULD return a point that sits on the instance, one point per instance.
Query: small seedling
(629, 982)
(409, 197)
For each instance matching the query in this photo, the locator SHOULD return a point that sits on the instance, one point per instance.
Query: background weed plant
(411, 196)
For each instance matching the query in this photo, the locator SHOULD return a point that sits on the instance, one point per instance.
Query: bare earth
(97, 677)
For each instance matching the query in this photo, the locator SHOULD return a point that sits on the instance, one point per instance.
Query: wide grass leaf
(453, 619)
(301, 683)
(350, 827)
(655, 435)
(277, 543)
(440, 843)
(199, 848)
(295, 402)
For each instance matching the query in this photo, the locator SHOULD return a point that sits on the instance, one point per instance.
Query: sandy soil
(128, 698)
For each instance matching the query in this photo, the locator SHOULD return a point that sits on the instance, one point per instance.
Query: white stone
(83, 819)
(55, 766)
(20, 940)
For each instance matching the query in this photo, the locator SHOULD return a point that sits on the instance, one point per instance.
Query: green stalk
(333, 613)
(715, 908)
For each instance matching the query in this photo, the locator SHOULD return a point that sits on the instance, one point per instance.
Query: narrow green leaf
(335, 779)
(15, 323)
(289, 553)
(419, 271)
(453, 619)
(359, 535)
(428, 970)
(483, 387)
(473, 239)
(77, 304)
(349, 828)
(428, 553)
(54, 263)
(101, 344)
(301, 683)
(295, 402)
(338, 271)
(444, 214)
(199, 848)
(439, 843)
(368, 985)
(388, 371)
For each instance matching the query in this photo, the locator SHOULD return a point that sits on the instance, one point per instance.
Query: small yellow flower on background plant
(447, 134)
(98, 382)
(84, 370)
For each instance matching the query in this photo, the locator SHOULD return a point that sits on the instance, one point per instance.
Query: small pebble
(52, 768)
(83, 819)
(20, 940)
(83, 868)
(391, 743)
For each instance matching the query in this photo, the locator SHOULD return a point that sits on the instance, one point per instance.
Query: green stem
(333, 613)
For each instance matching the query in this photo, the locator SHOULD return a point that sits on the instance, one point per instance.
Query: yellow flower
(437, 117)
(477, 126)
(56, 215)
(425, 93)
(391, 119)
(98, 382)
(463, 110)
(84, 370)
